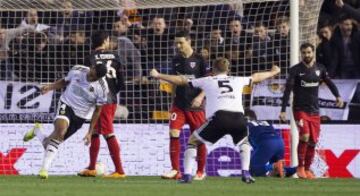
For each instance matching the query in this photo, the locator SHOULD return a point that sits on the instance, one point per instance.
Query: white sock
(50, 153)
(190, 159)
(245, 153)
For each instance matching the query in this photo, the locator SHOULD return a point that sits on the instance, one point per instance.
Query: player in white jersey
(86, 91)
(224, 111)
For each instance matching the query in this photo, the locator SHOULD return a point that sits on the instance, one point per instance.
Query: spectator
(261, 47)
(32, 63)
(32, 20)
(120, 28)
(130, 56)
(67, 19)
(158, 44)
(282, 43)
(240, 60)
(323, 50)
(7, 35)
(216, 43)
(346, 50)
(72, 51)
(347, 8)
(236, 35)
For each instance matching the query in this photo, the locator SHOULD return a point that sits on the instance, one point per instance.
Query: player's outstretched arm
(94, 119)
(260, 76)
(174, 79)
(54, 86)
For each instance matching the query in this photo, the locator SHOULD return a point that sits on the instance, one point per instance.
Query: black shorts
(67, 113)
(221, 124)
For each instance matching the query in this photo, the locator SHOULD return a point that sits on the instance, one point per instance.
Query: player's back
(114, 76)
(259, 130)
(223, 93)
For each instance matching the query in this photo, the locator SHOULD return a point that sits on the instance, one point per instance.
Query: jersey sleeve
(205, 67)
(70, 75)
(290, 82)
(326, 78)
(198, 82)
(102, 94)
(245, 80)
(173, 67)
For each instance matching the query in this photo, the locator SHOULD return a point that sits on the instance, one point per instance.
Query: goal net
(40, 40)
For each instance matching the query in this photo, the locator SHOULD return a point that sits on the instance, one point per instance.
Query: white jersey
(81, 95)
(222, 92)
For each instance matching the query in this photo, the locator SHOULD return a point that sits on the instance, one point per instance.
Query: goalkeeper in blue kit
(267, 158)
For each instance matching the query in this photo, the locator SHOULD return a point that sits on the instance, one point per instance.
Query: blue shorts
(269, 149)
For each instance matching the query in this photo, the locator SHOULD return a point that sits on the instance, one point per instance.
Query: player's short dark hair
(307, 45)
(184, 34)
(250, 114)
(98, 38)
(221, 64)
(100, 68)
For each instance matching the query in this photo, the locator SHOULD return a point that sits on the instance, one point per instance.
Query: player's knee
(107, 136)
(257, 170)
(61, 136)
(175, 133)
(304, 137)
(95, 135)
(311, 143)
(193, 141)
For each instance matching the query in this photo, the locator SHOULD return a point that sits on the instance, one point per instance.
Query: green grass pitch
(154, 186)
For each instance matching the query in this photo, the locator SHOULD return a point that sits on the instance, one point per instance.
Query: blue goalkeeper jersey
(259, 130)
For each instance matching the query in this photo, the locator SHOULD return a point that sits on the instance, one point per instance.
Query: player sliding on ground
(224, 112)
(86, 92)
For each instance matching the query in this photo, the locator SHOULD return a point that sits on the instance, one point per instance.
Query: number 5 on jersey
(225, 86)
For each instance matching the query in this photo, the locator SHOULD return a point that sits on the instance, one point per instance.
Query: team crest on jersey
(91, 89)
(317, 72)
(192, 64)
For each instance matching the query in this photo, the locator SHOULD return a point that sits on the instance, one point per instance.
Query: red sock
(94, 150)
(201, 157)
(302, 152)
(175, 153)
(310, 153)
(114, 149)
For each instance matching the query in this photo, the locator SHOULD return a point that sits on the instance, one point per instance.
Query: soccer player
(86, 92)
(267, 158)
(187, 106)
(224, 111)
(104, 126)
(304, 80)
